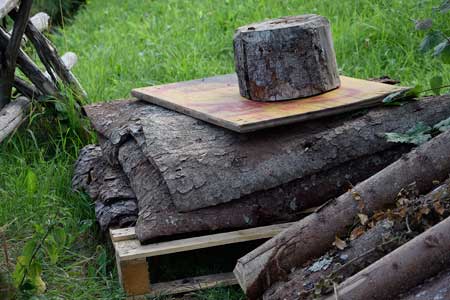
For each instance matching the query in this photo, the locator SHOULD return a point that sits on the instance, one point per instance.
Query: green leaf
(436, 84)
(52, 249)
(443, 125)
(443, 51)
(402, 95)
(444, 7)
(31, 182)
(417, 135)
(431, 40)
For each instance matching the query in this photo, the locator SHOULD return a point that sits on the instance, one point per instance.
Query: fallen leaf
(356, 233)
(403, 212)
(424, 210)
(438, 207)
(363, 219)
(378, 216)
(340, 244)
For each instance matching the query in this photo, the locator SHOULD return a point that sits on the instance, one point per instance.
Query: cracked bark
(285, 58)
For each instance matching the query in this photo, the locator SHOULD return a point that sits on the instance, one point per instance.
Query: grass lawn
(124, 44)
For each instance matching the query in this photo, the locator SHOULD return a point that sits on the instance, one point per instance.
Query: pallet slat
(132, 249)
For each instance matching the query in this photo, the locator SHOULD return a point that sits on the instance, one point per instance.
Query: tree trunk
(286, 58)
(403, 269)
(319, 276)
(12, 116)
(311, 237)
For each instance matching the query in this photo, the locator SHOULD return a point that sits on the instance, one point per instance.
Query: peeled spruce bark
(404, 268)
(312, 236)
(115, 201)
(285, 58)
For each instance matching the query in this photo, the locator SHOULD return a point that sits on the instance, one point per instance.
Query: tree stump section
(286, 58)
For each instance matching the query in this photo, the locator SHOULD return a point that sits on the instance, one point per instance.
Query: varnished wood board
(217, 100)
(132, 248)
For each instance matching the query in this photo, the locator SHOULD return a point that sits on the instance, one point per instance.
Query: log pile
(283, 267)
(39, 85)
(188, 177)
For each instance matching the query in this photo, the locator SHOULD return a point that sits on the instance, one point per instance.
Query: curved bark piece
(204, 165)
(313, 235)
(115, 201)
(404, 268)
(159, 217)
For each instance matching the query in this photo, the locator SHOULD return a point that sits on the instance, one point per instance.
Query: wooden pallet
(133, 269)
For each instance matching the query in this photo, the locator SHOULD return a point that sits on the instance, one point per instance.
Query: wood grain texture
(132, 249)
(286, 58)
(217, 100)
(12, 116)
(134, 276)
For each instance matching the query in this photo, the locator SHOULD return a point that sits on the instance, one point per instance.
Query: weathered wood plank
(122, 234)
(134, 276)
(132, 249)
(12, 116)
(217, 100)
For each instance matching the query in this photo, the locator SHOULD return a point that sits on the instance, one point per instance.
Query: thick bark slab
(313, 235)
(404, 268)
(387, 234)
(204, 165)
(12, 116)
(115, 201)
(436, 288)
(285, 58)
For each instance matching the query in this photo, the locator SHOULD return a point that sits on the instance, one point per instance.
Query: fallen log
(312, 236)
(436, 288)
(26, 89)
(12, 116)
(412, 216)
(404, 268)
(285, 58)
(69, 59)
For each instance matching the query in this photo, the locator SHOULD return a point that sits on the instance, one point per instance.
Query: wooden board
(130, 249)
(217, 100)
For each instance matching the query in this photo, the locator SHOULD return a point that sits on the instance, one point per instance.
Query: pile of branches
(385, 238)
(38, 85)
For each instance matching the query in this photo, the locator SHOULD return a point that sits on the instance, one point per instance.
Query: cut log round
(312, 236)
(404, 268)
(285, 58)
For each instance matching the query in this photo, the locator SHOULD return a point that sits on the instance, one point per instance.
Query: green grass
(124, 44)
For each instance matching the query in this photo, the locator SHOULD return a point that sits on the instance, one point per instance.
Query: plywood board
(217, 100)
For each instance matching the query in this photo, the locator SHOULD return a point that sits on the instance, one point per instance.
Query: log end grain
(286, 58)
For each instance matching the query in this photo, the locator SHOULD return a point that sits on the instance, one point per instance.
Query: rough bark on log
(12, 116)
(285, 58)
(436, 288)
(8, 56)
(337, 265)
(200, 162)
(312, 236)
(404, 268)
(6, 6)
(115, 201)
(30, 69)
(69, 59)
